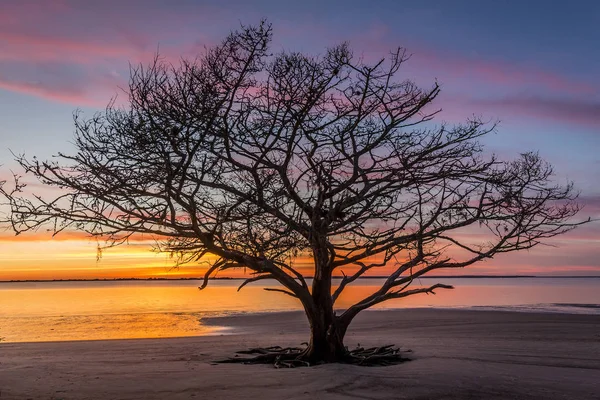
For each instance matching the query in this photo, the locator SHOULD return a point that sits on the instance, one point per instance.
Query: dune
(456, 354)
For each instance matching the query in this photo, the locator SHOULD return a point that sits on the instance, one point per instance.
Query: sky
(532, 65)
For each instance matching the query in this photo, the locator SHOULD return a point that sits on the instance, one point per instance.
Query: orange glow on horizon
(72, 255)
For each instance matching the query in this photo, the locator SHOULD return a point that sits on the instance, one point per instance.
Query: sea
(100, 310)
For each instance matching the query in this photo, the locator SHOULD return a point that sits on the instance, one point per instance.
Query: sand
(456, 355)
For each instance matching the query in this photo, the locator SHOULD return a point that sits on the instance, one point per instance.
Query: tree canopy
(257, 159)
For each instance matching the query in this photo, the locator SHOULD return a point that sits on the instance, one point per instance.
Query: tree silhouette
(258, 159)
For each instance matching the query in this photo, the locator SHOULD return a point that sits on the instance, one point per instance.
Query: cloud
(457, 70)
(61, 95)
(585, 112)
(89, 46)
(33, 47)
(57, 31)
(40, 236)
(497, 73)
(591, 204)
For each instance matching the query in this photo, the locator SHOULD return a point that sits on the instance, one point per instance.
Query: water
(56, 311)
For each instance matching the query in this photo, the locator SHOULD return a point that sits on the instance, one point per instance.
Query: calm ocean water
(56, 311)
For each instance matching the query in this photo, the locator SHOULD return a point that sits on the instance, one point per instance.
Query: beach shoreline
(457, 354)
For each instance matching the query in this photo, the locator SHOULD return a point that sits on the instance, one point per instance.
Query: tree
(256, 159)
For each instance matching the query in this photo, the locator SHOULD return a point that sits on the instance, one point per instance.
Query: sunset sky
(534, 65)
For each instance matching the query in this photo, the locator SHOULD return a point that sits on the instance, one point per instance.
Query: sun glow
(73, 256)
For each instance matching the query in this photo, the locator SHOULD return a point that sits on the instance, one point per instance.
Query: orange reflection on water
(147, 309)
(110, 310)
(485, 292)
(102, 327)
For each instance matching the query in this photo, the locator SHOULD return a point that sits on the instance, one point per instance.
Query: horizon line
(309, 277)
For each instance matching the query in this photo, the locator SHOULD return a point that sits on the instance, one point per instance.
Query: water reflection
(142, 309)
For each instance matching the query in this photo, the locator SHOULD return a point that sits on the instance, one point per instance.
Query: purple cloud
(585, 112)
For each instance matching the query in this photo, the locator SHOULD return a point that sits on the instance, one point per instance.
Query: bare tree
(257, 159)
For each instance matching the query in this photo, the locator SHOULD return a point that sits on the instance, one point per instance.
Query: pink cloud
(591, 204)
(429, 62)
(61, 95)
(55, 32)
(46, 235)
(32, 48)
(583, 112)
(497, 73)
(63, 52)
(580, 111)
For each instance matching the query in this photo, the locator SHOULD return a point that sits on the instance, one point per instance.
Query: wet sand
(456, 355)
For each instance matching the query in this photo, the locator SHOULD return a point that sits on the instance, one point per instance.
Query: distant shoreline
(310, 277)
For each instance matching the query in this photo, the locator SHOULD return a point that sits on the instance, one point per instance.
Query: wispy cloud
(472, 70)
(467, 71)
(38, 236)
(62, 95)
(591, 204)
(578, 111)
(88, 46)
(85, 53)
(33, 48)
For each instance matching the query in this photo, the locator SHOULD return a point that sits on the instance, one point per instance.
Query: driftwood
(291, 357)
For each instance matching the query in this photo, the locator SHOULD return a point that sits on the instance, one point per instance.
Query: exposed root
(377, 356)
(291, 357)
(288, 357)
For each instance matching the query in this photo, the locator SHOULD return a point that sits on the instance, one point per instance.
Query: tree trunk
(326, 342)
(326, 329)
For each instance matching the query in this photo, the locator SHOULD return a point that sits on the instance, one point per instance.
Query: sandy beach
(456, 355)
